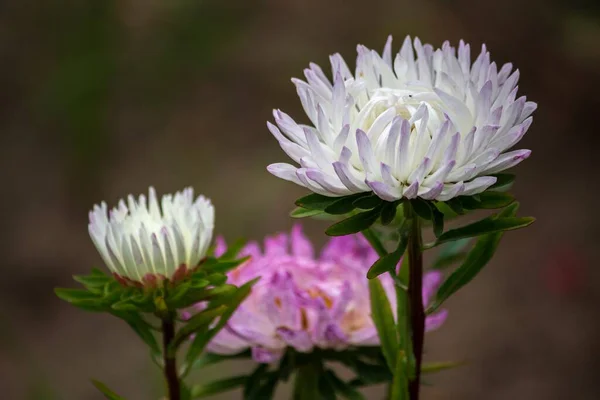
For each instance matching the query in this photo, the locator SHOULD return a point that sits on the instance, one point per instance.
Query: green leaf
(94, 282)
(316, 201)
(390, 261)
(375, 242)
(487, 200)
(208, 359)
(381, 312)
(344, 205)
(253, 385)
(454, 208)
(109, 394)
(422, 208)
(300, 212)
(198, 324)
(267, 388)
(342, 387)
(433, 367)
(388, 212)
(485, 226)
(202, 338)
(504, 182)
(74, 295)
(224, 265)
(451, 253)
(355, 223)
(326, 391)
(400, 382)
(368, 202)
(83, 299)
(476, 259)
(428, 211)
(216, 387)
(438, 220)
(141, 328)
(232, 250)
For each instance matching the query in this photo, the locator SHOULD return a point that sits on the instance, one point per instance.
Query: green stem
(415, 296)
(306, 382)
(170, 362)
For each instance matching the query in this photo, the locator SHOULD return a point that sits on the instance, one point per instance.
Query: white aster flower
(143, 243)
(430, 125)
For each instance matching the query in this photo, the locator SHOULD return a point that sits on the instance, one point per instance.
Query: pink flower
(306, 301)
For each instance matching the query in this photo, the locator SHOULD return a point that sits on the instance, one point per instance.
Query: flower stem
(415, 296)
(306, 382)
(170, 361)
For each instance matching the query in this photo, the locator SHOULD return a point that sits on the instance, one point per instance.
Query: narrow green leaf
(342, 387)
(477, 258)
(232, 250)
(344, 205)
(316, 201)
(326, 390)
(455, 207)
(93, 282)
(487, 225)
(74, 295)
(428, 211)
(109, 394)
(354, 224)
(433, 367)
(198, 324)
(216, 387)
(368, 202)
(140, 327)
(487, 200)
(451, 253)
(422, 208)
(388, 212)
(226, 265)
(400, 382)
(381, 312)
(375, 242)
(253, 382)
(390, 261)
(300, 212)
(202, 338)
(504, 182)
(438, 220)
(266, 389)
(509, 211)
(208, 359)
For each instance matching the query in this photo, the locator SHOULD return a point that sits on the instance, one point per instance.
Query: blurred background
(99, 99)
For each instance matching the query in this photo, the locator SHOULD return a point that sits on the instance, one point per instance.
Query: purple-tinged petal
(285, 171)
(451, 191)
(265, 356)
(385, 192)
(411, 191)
(478, 185)
(299, 340)
(220, 246)
(506, 161)
(301, 246)
(431, 282)
(434, 321)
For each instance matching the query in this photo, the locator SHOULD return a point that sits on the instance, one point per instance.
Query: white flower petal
(426, 123)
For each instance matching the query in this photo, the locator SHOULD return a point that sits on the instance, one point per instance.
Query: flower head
(426, 123)
(305, 301)
(143, 243)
